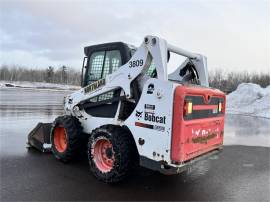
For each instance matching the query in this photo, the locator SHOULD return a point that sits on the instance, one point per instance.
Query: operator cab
(101, 60)
(104, 59)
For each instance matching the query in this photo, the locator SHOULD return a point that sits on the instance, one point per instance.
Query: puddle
(247, 130)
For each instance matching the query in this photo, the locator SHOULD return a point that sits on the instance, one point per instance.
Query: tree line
(228, 81)
(225, 81)
(61, 75)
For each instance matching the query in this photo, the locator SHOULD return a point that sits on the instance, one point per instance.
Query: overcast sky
(234, 35)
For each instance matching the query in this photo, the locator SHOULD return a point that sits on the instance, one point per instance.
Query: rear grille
(202, 109)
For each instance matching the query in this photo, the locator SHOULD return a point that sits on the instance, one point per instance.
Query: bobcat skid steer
(130, 111)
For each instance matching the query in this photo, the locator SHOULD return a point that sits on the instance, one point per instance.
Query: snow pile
(39, 85)
(249, 99)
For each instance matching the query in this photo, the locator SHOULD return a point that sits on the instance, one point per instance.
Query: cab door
(102, 63)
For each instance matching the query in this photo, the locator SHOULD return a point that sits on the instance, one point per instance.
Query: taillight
(188, 107)
(220, 107)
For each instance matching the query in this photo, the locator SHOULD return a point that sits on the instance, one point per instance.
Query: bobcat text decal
(149, 115)
(157, 119)
(203, 136)
(93, 86)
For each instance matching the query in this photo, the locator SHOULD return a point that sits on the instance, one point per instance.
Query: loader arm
(153, 49)
(200, 64)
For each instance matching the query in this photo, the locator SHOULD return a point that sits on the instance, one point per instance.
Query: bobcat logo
(139, 114)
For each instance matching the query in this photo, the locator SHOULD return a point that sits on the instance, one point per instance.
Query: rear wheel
(66, 138)
(112, 153)
(103, 155)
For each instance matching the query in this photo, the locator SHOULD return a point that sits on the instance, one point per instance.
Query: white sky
(233, 34)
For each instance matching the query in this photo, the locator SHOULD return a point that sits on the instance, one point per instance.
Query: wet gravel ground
(239, 173)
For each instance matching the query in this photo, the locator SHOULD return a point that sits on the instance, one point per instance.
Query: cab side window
(112, 62)
(101, 64)
(95, 66)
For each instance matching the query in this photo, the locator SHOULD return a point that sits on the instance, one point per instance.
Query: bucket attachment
(39, 137)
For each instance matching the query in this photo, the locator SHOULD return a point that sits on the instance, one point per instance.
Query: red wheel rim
(103, 155)
(60, 139)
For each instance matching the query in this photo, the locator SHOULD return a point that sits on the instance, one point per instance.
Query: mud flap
(39, 137)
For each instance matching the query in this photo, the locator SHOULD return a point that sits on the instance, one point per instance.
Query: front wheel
(66, 135)
(111, 153)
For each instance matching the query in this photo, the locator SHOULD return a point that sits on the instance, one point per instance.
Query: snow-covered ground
(249, 99)
(39, 85)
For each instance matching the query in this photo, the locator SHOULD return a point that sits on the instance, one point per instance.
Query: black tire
(73, 134)
(124, 153)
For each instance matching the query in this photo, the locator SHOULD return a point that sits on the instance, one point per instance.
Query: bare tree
(64, 74)
(50, 74)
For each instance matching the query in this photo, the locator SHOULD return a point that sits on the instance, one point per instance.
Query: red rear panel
(201, 129)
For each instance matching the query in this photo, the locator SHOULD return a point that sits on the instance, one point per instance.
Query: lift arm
(152, 49)
(156, 49)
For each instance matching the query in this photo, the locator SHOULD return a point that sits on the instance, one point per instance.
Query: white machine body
(151, 120)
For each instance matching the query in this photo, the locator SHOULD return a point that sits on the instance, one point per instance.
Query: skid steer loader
(129, 111)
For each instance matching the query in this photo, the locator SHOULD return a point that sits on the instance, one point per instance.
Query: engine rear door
(198, 122)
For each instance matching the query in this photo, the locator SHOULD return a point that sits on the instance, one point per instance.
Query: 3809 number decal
(136, 63)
